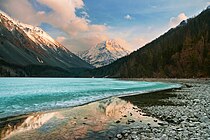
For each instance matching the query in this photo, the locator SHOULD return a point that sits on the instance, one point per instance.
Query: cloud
(60, 39)
(63, 15)
(174, 21)
(84, 42)
(23, 11)
(125, 44)
(128, 17)
(139, 41)
(79, 32)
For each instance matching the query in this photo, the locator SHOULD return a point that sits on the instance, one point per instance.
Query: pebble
(119, 136)
(164, 137)
(131, 121)
(134, 137)
(162, 123)
(190, 119)
(117, 121)
(126, 131)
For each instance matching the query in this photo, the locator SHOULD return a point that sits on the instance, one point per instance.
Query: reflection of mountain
(104, 53)
(77, 122)
(183, 51)
(23, 46)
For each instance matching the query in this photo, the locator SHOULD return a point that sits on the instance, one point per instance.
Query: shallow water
(24, 95)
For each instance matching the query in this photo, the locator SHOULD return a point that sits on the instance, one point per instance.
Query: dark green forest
(182, 52)
(12, 70)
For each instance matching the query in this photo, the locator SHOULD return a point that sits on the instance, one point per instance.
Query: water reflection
(78, 122)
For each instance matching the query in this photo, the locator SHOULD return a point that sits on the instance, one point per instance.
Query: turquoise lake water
(24, 95)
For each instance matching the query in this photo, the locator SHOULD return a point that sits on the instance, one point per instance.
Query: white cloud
(63, 15)
(134, 37)
(79, 31)
(81, 35)
(174, 21)
(128, 17)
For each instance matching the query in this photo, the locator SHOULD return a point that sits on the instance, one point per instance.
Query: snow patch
(60, 60)
(103, 53)
(36, 34)
(39, 60)
(42, 47)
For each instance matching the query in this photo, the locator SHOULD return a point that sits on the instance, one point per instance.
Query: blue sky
(81, 24)
(142, 11)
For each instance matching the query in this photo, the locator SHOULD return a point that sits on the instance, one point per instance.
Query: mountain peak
(35, 33)
(25, 45)
(104, 53)
(180, 53)
(112, 45)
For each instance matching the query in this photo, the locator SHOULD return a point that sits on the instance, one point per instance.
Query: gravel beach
(185, 114)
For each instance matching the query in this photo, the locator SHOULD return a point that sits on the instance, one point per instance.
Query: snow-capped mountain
(22, 44)
(103, 53)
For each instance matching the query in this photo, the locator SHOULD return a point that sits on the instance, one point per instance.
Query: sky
(81, 24)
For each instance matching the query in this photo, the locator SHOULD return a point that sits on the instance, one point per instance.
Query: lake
(24, 95)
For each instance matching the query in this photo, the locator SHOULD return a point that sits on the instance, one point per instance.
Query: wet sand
(112, 118)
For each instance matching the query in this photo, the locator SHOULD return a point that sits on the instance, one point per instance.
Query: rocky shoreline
(188, 117)
(177, 114)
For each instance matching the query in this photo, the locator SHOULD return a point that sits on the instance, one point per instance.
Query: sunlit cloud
(79, 24)
(23, 11)
(174, 21)
(139, 41)
(60, 39)
(63, 16)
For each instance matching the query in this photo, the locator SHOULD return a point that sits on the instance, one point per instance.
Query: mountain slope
(182, 52)
(103, 53)
(24, 45)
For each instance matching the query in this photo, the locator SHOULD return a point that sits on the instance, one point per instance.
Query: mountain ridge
(22, 44)
(182, 52)
(103, 53)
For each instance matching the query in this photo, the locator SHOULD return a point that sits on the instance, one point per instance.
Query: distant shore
(120, 118)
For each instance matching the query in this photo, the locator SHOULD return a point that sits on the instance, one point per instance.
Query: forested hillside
(182, 52)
